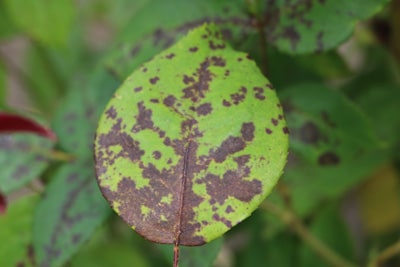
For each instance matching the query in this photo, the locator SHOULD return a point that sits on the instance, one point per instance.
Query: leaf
(191, 143)
(49, 22)
(70, 210)
(329, 227)
(144, 36)
(7, 27)
(3, 85)
(333, 145)
(203, 256)
(75, 122)
(314, 26)
(23, 157)
(16, 233)
(13, 123)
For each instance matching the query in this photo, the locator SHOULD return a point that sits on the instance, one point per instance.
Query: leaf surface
(23, 157)
(192, 142)
(67, 215)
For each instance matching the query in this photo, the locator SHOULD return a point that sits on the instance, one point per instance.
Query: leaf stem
(290, 218)
(385, 255)
(176, 255)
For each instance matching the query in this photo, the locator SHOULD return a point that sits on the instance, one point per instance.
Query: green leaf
(71, 209)
(49, 22)
(329, 227)
(75, 121)
(23, 157)
(107, 249)
(192, 142)
(145, 36)
(16, 233)
(7, 27)
(203, 256)
(333, 145)
(310, 26)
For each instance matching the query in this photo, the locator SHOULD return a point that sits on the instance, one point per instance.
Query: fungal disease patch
(192, 142)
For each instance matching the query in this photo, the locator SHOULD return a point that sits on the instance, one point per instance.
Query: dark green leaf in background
(71, 209)
(329, 227)
(145, 36)
(48, 22)
(3, 86)
(333, 146)
(76, 120)
(314, 25)
(23, 157)
(16, 233)
(192, 142)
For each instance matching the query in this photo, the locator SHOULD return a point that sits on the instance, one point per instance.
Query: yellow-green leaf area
(197, 136)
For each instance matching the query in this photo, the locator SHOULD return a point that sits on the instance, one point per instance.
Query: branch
(385, 255)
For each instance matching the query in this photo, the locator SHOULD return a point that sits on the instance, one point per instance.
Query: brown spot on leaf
(143, 119)
(247, 131)
(111, 113)
(215, 46)
(138, 89)
(200, 87)
(154, 80)
(328, 159)
(228, 223)
(268, 131)
(259, 93)
(218, 61)
(309, 133)
(285, 130)
(188, 79)
(229, 146)
(275, 122)
(226, 103)
(170, 56)
(193, 49)
(204, 109)
(169, 101)
(154, 100)
(157, 154)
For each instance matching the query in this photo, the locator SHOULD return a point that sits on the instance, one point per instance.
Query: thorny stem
(385, 255)
(290, 218)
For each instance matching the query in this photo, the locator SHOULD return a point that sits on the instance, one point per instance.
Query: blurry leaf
(7, 27)
(13, 123)
(23, 157)
(311, 26)
(380, 190)
(145, 36)
(76, 120)
(3, 84)
(192, 142)
(333, 146)
(49, 22)
(329, 227)
(105, 250)
(71, 209)
(16, 233)
(202, 256)
(381, 104)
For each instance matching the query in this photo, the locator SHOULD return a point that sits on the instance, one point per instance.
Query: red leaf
(3, 204)
(11, 123)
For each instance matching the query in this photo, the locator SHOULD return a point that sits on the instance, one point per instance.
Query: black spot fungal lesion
(154, 80)
(111, 113)
(247, 131)
(328, 158)
(204, 109)
(169, 101)
(259, 93)
(138, 89)
(193, 49)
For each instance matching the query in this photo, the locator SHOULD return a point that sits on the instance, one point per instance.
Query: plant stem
(176, 255)
(290, 219)
(386, 254)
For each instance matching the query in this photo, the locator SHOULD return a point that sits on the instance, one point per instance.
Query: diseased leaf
(192, 142)
(75, 122)
(299, 26)
(16, 233)
(23, 157)
(138, 44)
(67, 215)
(333, 146)
(49, 22)
(304, 26)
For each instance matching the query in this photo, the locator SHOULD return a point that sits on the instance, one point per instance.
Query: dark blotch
(268, 131)
(275, 122)
(154, 80)
(259, 93)
(229, 146)
(309, 133)
(247, 131)
(285, 130)
(328, 159)
(193, 49)
(157, 154)
(111, 113)
(226, 103)
(204, 109)
(138, 89)
(170, 56)
(169, 101)
(187, 79)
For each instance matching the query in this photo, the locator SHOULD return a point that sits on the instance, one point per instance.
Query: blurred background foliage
(61, 61)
